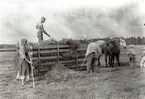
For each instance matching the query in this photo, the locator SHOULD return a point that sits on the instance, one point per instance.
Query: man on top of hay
(41, 29)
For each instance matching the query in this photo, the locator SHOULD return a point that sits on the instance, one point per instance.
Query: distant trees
(7, 46)
(129, 40)
(135, 40)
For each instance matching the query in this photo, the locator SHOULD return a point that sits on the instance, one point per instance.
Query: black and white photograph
(72, 49)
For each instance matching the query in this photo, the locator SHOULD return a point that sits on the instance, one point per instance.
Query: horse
(112, 49)
(101, 44)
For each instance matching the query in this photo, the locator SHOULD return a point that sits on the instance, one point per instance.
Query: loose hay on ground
(61, 73)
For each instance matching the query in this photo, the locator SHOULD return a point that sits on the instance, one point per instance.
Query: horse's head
(123, 43)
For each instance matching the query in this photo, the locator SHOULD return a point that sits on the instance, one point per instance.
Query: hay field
(121, 82)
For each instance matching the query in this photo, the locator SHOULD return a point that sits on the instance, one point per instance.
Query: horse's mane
(117, 40)
(112, 42)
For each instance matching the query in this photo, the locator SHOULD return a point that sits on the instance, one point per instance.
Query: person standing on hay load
(24, 68)
(41, 29)
(131, 54)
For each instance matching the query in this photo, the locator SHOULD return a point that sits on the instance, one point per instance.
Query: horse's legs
(106, 59)
(99, 60)
(110, 60)
(117, 58)
(113, 59)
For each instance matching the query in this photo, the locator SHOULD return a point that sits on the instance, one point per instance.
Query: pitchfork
(32, 67)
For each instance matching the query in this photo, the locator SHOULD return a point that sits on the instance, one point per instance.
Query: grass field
(121, 82)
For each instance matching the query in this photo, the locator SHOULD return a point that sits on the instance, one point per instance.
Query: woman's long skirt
(24, 70)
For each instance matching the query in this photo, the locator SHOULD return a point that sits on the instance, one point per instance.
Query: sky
(19, 17)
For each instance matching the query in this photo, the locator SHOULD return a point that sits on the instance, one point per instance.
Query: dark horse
(112, 50)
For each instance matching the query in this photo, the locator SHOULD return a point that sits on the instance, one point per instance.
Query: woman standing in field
(24, 65)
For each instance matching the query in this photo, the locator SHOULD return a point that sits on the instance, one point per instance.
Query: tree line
(129, 40)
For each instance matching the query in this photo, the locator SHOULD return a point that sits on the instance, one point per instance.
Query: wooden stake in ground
(17, 56)
(32, 67)
(58, 52)
(39, 58)
(76, 56)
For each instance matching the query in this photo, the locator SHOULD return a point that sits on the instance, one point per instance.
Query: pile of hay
(48, 42)
(74, 45)
(61, 73)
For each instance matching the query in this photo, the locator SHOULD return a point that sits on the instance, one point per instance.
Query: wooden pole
(39, 58)
(32, 72)
(76, 56)
(17, 56)
(57, 52)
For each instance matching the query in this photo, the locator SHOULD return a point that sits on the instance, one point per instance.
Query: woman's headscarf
(24, 41)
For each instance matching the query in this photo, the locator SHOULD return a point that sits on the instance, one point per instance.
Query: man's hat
(43, 18)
